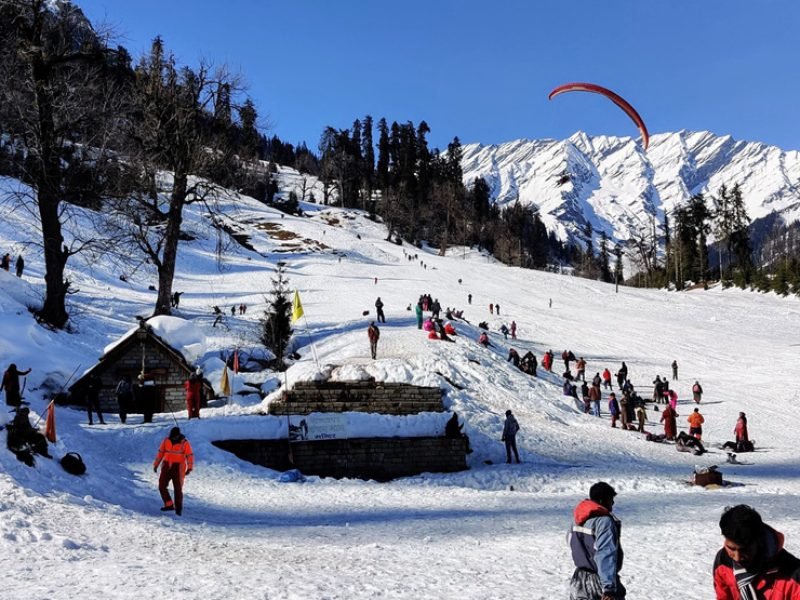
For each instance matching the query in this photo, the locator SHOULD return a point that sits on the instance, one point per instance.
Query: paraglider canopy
(615, 98)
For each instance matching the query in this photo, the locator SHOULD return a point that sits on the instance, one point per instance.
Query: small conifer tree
(276, 326)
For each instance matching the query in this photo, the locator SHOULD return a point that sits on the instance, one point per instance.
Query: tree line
(84, 124)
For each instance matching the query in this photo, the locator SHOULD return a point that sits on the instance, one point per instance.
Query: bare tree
(175, 132)
(56, 100)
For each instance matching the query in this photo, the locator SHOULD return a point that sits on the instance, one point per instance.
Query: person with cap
(596, 548)
(10, 384)
(752, 563)
(510, 429)
(177, 460)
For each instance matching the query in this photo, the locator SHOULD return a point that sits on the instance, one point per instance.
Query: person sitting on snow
(483, 340)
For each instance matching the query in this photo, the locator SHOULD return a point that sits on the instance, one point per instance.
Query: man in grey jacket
(510, 430)
(596, 549)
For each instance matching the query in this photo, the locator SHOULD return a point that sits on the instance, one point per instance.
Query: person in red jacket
(177, 460)
(607, 378)
(668, 419)
(193, 388)
(752, 564)
(374, 334)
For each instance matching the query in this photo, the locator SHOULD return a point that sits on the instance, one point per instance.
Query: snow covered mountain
(612, 183)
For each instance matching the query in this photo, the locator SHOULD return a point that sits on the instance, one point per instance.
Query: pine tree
(618, 275)
(276, 325)
(605, 268)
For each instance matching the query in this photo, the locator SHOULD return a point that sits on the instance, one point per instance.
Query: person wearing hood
(596, 548)
(11, 385)
(177, 460)
(752, 563)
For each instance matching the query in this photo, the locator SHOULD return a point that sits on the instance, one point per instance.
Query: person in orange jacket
(177, 460)
(193, 386)
(696, 421)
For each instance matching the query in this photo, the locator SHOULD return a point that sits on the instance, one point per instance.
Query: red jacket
(192, 387)
(741, 430)
(179, 452)
(779, 578)
(373, 333)
(606, 375)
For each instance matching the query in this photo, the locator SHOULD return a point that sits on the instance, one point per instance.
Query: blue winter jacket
(595, 543)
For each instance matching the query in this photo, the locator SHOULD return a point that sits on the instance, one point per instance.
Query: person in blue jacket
(596, 549)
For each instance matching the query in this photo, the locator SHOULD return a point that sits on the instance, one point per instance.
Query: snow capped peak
(613, 183)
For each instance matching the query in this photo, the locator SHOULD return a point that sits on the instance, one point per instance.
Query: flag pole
(311, 343)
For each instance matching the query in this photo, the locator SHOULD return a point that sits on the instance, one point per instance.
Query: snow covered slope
(495, 531)
(613, 184)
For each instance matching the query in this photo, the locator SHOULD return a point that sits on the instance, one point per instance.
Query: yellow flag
(297, 308)
(225, 384)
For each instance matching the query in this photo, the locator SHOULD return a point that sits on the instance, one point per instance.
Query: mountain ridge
(612, 183)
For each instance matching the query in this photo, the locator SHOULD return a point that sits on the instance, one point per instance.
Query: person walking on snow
(596, 547)
(674, 370)
(513, 330)
(469, 298)
(491, 308)
(379, 310)
(504, 330)
(177, 460)
(696, 421)
(374, 334)
(697, 392)
(418, 312)
(510, 429)
(20, 265)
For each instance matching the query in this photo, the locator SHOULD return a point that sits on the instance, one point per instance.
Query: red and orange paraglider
(615, 98)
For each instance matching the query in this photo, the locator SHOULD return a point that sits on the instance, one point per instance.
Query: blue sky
(482, 70)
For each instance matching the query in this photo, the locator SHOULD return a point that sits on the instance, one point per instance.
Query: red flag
(50, 424)
(236, 361)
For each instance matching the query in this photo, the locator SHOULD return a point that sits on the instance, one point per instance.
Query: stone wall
(358, 396)
(381, 459)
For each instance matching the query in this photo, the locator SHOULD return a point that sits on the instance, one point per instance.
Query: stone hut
(140, 351)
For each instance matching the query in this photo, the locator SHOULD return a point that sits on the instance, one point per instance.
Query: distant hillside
(613, 184)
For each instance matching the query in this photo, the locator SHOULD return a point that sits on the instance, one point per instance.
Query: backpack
(73, 464)
(696, 388)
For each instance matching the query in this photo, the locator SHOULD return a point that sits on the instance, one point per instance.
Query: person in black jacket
(379, 310)
(93, 398)
(11, 385)
(510, 429)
